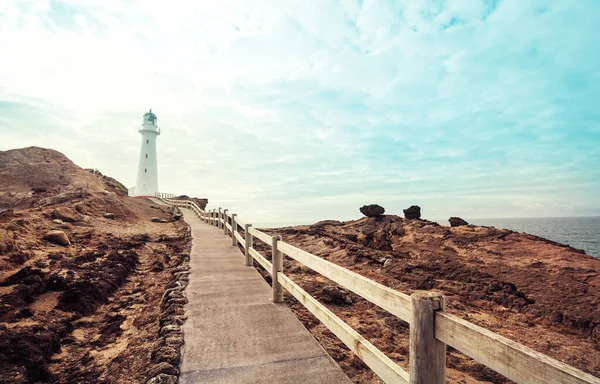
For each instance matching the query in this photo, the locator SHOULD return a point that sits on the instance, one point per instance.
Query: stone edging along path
(166, 356)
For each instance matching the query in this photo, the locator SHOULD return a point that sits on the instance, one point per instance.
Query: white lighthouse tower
(147, 176)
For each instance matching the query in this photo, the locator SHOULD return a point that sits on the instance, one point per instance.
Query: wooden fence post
(213, 213)
(427, 354)
(219, 216)
(248, 241)
(277, 264)
(233, 230)
(225, 221)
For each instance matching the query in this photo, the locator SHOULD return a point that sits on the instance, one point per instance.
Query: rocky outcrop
(65, 214)
(57, 237)
(372, 210)
(412, 212)
(457, 222)
(505, 281)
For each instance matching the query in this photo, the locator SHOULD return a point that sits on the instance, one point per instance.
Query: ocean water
(578, 232)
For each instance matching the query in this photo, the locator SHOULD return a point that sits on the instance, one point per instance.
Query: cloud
(305, 111)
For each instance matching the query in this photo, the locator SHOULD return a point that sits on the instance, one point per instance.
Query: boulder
(372, 210)
(116, 210)
(57, 237)
(412, 212)
(457, 222)
(64, 214)
(334, 295)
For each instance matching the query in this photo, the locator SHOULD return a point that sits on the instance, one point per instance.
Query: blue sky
(301, 111)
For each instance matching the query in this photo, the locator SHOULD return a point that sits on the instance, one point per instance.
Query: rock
(163, 378)
(157, 266)
(57, 237)
(167, 354)
(158, 220)
(57, 221)
(81, 209)
(457, 222)
(64, 214)
(117, 210)
(372, 210)
(168, 329)
(67, 225)
(61, 197)
(412, 212)
(174, 341)
(109, 215)
(163, 367)
(327, 222)
(7, 213)
(334, 295)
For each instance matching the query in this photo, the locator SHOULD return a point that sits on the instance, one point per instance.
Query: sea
(578, 232)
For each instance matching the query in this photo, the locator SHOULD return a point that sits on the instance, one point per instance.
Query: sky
(299, 111)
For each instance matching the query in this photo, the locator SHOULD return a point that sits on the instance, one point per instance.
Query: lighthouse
(147, 175)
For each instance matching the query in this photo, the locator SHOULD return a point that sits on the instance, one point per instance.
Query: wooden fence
(431, 329)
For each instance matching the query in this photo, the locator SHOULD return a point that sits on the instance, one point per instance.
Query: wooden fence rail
(431, 329)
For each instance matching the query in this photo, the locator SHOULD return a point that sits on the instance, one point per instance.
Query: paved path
(234, 333)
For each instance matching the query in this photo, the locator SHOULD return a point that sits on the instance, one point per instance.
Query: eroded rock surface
(504, 281)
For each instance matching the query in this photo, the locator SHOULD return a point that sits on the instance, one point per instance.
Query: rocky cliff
(543, 294)
(83, 272)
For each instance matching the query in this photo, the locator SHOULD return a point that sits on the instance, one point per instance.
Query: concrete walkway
(234, 333)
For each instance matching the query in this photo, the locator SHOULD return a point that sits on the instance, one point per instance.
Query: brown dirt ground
(532, 290)
(87, 312)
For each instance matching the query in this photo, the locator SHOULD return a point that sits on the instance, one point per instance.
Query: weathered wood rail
(431, 329)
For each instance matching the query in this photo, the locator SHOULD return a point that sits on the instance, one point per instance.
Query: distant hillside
(32, 176)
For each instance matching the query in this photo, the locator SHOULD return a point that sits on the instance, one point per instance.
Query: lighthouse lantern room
(147, 175)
